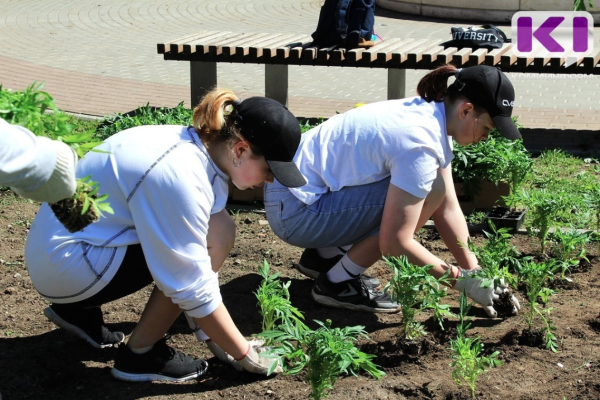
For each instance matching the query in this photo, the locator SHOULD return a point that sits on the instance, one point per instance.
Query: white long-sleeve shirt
(163, 187)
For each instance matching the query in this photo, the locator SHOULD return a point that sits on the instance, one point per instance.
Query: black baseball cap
(273, 130)
(488, 87)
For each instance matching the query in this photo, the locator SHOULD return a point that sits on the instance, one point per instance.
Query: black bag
(344, 22)
(484, 36)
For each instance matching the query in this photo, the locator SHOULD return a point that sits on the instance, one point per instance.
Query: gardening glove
(255, 363)
(484, 296)
(62, 183)
(225, 357)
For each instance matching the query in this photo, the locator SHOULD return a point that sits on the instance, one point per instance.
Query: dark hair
(215, 118)
(434, 87)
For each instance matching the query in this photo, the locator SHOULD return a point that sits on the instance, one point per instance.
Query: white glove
(484, 296)
(62, 182)
(254, 362)
(225, 357)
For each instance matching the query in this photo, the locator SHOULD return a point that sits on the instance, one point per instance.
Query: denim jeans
(336, 219)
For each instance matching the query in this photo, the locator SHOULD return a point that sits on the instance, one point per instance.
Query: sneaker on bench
(161, 363)
(312, 265)
(352, 294)
(87, 324)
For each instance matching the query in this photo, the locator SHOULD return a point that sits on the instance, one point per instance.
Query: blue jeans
(336, 219)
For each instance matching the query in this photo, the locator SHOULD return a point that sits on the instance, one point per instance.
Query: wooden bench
(277, 51)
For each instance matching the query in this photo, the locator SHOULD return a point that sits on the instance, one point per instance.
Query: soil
(38, 361)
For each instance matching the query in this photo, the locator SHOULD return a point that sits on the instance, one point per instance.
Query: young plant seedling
(535, 277)
(28, 108)
(570, 248)
(543, 205)
(415, 290)
(325, 354)
(274, 302)
(467, 358)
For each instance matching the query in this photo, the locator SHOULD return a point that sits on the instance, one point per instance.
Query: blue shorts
(336, 219)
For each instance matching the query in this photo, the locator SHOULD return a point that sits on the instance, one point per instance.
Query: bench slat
(277, 40)
(196, 46)
(232, 46)
(446, 56)
(592, 60)
(429, 56)
(400, 56)
(217, 48)
(283, 52)
(461, 57)
(371, 53)
(493, 57)
(477, 57)
(507, 59)
(270, 50)
(385, 55)
(415, 56)
(164, 47)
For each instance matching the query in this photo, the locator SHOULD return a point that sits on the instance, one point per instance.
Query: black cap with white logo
(273, 129)
(490, 88)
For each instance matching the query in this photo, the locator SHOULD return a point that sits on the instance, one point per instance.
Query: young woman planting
(377, 173)
(168, 189)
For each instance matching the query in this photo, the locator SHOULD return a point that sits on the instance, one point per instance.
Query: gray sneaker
(353, 294)
(161, 363)
(312, 265)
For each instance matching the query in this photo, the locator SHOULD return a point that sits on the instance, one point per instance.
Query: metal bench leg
(203, 78)
(396, 83)
(276, 83)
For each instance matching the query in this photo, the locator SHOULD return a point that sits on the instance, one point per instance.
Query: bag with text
(477, 37)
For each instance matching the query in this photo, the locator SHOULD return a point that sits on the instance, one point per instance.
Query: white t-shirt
(163, 187)
(405, 138)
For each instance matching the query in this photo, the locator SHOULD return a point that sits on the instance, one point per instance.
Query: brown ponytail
(434, 85)
(211, 119)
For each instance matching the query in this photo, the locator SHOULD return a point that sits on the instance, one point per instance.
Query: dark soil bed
(38, 361)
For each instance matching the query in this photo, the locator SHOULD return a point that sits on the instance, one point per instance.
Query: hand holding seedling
(483, 293)
(227, 358)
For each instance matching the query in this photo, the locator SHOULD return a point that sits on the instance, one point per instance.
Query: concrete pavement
(98, 57)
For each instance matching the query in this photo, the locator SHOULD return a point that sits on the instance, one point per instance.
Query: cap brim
(287, 173)
(506, 127)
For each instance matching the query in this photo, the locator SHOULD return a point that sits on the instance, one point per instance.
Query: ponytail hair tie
(237, 102)
(456, 74)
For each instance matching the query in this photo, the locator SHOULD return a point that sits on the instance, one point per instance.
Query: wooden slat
(270, 50)
(371, 53)
(399, 56)
(232, 48)
(354, 55)
(478, 57)
(556, 62)
(200, 45)
(461, 57)
(416, 55)
(257, 49)
(493, 57)
(429, 56)
(285, 51)
(338, 55)
(507, 59)
(540, 62)
(385, 55)
(216, 48)
(592, 60)
(446, 56)
(309, 53)
(296, 52)
(164, 47)
(243, 49)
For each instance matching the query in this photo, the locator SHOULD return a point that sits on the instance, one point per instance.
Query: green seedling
(543, 205)
(591, 197)
(36, 111)
(467, 359)
(535, 276)
(496, 256)
(415, 290)
(570, 248)
(325, 354)
(274, 302)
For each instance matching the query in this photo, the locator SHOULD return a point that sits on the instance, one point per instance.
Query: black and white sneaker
(312, 265)
(86, 323)
(161, 363)
(353, 294)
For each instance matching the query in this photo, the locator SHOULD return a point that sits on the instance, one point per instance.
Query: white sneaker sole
(58, 321)
(330, 302)
(125, 376)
